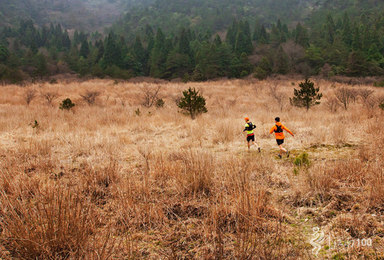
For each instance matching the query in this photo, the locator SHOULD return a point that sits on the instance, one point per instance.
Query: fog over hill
(88, 15)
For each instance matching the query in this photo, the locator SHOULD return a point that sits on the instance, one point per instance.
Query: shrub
(160, 103)
(30, 95)
(53, 81)
(307, 96)
(50, 97)
(138, 112)
(302, 160)
(192, 103)
(66, 104)
(345, 96)
(151, 95)
(260, 73)
(382, 105)
(90, 97)
(379, 83)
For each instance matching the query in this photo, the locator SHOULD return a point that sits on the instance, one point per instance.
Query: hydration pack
(278, 129)
(250, 126)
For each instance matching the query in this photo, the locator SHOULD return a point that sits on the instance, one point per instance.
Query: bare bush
(90, 97)
(365, 94)
(278, 96)
(345, 96)
(150, 95)
(50, 97)
(30, 95)
(332, 104)
(371, 102)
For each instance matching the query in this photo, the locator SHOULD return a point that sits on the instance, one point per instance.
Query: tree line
(352, 46)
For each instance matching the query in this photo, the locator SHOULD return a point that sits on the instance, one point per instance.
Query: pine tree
(84, 49)
(263, 36)
(301, 36)
(346, 30)
(307, 96)
(184, 47)
(356, 40)
(4, 53)
(281, 62)
(158, 56)
(243, 42)
(232, 33)
(356, 64)
(41, 66)
(140, 55)
(112, 53)
(330, 29)
(192, 103)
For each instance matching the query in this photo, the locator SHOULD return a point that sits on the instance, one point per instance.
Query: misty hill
(213, 15)
(217, 15)
(86, 15)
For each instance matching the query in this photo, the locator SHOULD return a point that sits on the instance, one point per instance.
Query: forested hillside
(212, 15)
(200, 40)
(72, 14)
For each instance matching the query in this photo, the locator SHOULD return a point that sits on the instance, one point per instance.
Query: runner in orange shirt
(278, 129)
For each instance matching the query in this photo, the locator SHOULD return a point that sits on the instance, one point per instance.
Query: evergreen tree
(330, 29)
(84, 49)
(307, 96)
(158, 56)
(100, 50)
(243, 42)
(301, 36)
(140, 55)
(192, 103)
(356, 40)
(356, 64)
(184, 47)
(232, 34)
(112, 53)
(177, 65)
(281, 61)
(263, 35)
(4, 53)
(347, 30)
(41, 66)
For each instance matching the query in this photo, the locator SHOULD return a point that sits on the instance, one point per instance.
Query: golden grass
(103, 182)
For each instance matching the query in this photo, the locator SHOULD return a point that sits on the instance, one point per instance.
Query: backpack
(250, 126)
(278, 129)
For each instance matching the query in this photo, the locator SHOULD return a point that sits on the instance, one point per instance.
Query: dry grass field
(117, 180)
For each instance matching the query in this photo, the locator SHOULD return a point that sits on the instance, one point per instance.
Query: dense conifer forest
(195, 40)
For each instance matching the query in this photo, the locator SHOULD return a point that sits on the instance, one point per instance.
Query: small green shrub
(306, 96)
(53, 81)
(379, 84)
(382, 105)
(138, 112)
(35, 124)
(302, 160)
(160, 103)
(192, 103)
(66, 104)
(260, 73)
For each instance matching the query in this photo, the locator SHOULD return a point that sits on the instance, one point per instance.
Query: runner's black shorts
(279, 141)
(251, 138)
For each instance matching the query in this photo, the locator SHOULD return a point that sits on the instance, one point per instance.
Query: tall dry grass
(104, 181)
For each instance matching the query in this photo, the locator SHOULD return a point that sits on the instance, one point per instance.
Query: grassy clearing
(104, 181)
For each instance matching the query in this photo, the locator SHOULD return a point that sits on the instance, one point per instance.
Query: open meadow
(116, 179)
